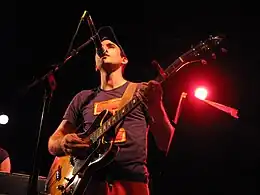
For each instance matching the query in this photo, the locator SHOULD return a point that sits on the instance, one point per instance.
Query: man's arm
(161, 127)
(5, 166)
(54, 144)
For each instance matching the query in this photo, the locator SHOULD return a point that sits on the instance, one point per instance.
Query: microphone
(95, 37)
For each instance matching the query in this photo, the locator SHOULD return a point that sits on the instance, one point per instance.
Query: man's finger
(80, 146)
(68, 151)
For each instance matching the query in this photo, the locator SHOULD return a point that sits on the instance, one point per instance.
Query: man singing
(127, 174)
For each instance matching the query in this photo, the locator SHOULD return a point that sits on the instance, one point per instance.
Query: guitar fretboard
(115, 119)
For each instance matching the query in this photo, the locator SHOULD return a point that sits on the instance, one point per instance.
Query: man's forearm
(54, 144)
(5, 166)
(162, 128)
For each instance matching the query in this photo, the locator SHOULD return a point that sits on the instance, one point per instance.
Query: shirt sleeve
(73, 111)
(3, 155)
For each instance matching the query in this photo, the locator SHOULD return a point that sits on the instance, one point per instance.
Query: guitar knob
(60, 187)
(58, 174)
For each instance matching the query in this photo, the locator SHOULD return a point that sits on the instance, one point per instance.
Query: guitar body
(60, 171)
(76, 171)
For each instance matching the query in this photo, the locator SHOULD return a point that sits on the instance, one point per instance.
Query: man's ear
(125, 60)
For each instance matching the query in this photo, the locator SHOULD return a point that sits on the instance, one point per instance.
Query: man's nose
(104, 47)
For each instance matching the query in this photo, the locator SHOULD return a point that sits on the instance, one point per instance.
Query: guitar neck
(115, 119)
(175, 66)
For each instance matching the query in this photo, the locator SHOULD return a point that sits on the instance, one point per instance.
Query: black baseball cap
(107, 33)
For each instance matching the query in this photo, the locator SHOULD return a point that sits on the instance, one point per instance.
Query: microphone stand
(33, 180)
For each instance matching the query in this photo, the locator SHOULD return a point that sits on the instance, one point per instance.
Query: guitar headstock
(205, 47)
(195, 54)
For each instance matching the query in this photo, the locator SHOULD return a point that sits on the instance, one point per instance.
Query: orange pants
(117, 188)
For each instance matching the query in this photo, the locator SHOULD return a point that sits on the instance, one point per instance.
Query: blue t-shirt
(130, 163)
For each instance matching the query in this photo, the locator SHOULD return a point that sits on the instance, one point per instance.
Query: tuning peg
(204, 62)
(214, 56)
(223, 50)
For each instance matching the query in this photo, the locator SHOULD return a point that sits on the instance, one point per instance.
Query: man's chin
(109, 68)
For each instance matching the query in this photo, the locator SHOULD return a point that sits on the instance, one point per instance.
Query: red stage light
(201, 93)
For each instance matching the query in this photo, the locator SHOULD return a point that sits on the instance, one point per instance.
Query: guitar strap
(128, 94)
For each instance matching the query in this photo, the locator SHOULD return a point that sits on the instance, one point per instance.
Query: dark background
(211, 152)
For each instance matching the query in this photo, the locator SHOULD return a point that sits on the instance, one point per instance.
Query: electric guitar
(74, 174)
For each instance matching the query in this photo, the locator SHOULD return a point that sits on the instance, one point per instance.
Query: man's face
(112, 59)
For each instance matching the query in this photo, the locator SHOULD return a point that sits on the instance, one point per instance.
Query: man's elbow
(164, 141)
(6, 166)
(54, 142)
(51, 147)
(164, 145)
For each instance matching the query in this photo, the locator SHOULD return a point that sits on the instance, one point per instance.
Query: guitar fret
(93, 137)
(119, 114)
(114, 119)
(100, 131)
